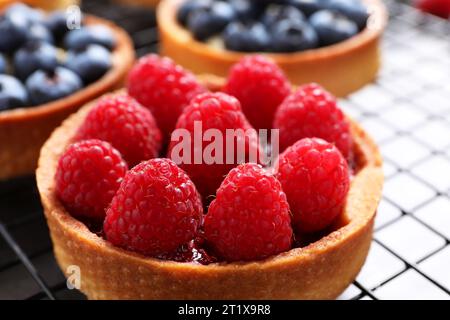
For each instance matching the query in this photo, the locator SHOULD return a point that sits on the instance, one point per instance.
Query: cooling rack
(407, 111)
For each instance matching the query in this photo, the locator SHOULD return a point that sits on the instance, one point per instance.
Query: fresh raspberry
(156, 209)
(213, 111)
(163, 87)
(439, 8)
(249, 219)
(123, 122)
(261, 86)
(312, 112)
(88, 175)
(315, 177)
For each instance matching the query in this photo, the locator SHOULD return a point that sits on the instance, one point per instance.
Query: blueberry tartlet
(140, 224)
(143, 3)
(331, 42)
(44, 4)
(50, 65)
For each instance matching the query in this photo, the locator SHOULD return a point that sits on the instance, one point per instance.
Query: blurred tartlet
(24, 129)
(341, 68)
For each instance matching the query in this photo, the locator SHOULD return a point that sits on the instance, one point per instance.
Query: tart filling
(272, 26)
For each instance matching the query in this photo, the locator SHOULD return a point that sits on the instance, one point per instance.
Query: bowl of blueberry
(331, 42)
(51, 63)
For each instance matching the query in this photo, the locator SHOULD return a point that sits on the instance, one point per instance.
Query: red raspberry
(312, 112)
(249, 219)
(163, 87)
(439, 8)
(315, 177)
(123, 122)
(261, 86)
(88, 175)
(214, 111)
(156, 209)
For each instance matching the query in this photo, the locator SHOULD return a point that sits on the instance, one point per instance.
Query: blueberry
(46, 86)
(247, 10)
(3, 64)
(292, 36)
(206, 22)
(308, 7)
(56, 22)
(276, 13)
(12, 93)
(355, 10)
(189, 7)
(40, 32)
(32, 56)
(246, 37)
(80, 38)
(90, 63)
(24, 12)
(332, 27)
(13, 31)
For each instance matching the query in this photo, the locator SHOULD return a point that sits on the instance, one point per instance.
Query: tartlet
(342, 68)
(321, 270)
(23, 131)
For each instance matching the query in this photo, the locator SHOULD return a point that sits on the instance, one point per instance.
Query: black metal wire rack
(407, 110)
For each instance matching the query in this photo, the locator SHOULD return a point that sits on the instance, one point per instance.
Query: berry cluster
(160, 209)
(273, 26)
(42, 60)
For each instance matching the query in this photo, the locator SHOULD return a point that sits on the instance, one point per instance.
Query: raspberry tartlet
(341, 68)
(255, 237)
(54, 82)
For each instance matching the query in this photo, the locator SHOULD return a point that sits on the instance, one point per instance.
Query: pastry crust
(342, 68)
(322, 270)
(24, 130)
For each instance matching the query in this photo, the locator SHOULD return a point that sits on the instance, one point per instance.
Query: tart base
(342, 68)
(321, 270)
(23, 131)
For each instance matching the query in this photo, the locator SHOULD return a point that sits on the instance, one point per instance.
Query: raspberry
(214, 111)
(163, 87)
(87, 177)
(123, 122)
(315, 177)
(249, 219)
(439, 8)
(156, 209)
(261, 86)
(312, 112)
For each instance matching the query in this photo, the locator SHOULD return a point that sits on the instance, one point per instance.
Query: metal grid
(407, 111)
